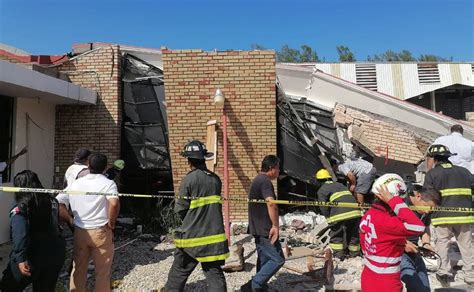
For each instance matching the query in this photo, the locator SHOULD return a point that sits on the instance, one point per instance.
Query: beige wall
(40, 156)
(39, 138)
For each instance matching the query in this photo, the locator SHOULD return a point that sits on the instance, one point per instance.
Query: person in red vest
(384, 229)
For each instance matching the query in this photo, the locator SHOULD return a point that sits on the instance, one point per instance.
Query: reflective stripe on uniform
(195, 203)
(354, 247)
(337, 195)
(382, 270)
(345, 216)
(336, 246)
(456, 192)
(384, 260)
(414, 227)
(398, 207)
(452, 220)
(213, 258)
(199, 241)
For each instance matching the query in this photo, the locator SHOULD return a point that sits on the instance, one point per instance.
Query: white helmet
(395, 184)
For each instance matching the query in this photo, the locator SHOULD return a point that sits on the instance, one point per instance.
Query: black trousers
(45, 264)
(184, 265)
(344, 237)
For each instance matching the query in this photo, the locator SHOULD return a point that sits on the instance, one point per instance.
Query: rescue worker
(201, 237)
(383, 232)
(413, 268)
(344, 222)
(454, 183)
(113, 173)
(38, 249)
(360, 173)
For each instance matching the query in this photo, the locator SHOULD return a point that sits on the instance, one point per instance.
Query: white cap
(395, 184)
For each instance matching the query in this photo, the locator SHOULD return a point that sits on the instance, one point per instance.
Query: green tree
(308, 55)
(406, 56)
(345, 54)
(433, 58)
(290, 55)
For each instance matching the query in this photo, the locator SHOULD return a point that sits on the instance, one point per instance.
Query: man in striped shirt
(360, 173)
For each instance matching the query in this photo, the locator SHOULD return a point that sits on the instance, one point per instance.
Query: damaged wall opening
(144, 137)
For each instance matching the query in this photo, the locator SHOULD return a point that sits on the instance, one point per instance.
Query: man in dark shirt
(263, 225)
(413, 270)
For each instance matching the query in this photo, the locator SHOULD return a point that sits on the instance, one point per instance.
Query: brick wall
(96, 127)
(376, 133)
(248, 82)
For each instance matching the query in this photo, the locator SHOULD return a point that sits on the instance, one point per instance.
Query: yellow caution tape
(234, 199)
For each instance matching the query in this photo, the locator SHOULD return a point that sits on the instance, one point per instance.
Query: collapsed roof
(327, 91)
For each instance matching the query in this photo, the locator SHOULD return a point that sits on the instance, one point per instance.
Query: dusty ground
(143, 265)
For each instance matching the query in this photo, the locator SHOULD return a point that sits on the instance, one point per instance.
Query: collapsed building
(143, 105)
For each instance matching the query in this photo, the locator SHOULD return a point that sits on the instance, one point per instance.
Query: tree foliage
(404, 56)
(306, 54)
(290, 55)
(345, 54)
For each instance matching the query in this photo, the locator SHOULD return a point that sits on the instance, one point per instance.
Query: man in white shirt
(10, 161)
(94, 219)
(456, 143)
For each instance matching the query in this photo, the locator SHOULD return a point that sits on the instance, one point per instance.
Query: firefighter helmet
(439, 150)
(196, 150)
(323, 174)
(394, 183)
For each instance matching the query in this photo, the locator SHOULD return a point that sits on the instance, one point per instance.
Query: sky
(440, 27)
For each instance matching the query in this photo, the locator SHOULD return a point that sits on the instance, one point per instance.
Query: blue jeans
(270, 259)
(414, 274)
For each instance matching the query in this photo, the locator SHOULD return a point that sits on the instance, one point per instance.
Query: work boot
(444, 280)
(341, 255)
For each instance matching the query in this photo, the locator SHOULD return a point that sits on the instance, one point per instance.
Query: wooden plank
(211, 144)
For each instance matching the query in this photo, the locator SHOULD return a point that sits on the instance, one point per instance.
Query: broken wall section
(374, 134)
(247, 79)
(96, 127)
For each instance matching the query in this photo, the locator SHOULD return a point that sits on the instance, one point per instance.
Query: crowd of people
(390, 235)
(38, 247)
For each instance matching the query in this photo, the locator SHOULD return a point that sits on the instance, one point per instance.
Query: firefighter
(454, 183)
(201, 237)
(344, 222)
(384, 229)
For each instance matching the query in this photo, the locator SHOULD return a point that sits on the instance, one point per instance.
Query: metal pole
(226, 177)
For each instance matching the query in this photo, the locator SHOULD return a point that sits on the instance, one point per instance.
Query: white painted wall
(40, 156)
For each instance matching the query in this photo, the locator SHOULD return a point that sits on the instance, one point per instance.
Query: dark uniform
(201, 237)
(344, 222)
(41, 246)
(454, 184)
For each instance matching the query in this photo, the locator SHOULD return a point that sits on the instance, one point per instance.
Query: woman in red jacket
(384, 229)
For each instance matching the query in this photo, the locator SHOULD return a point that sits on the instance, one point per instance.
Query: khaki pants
(98, 244)
(462, 233)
